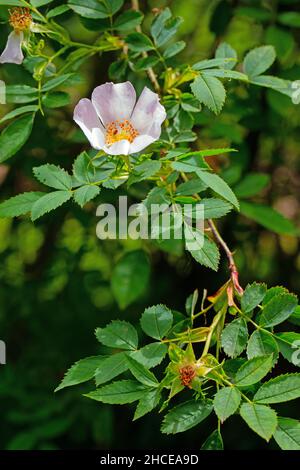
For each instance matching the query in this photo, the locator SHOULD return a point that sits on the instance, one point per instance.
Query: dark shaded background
(55, 274)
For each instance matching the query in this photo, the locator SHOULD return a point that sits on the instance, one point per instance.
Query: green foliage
(185, 416)
(226, 402)
(287, 434)
(130, 278)
(278, 309)
(157, 321)
(53, 176)
(118, 334)
(261, 419)
(49, 202)
(213, 442)
(253, 371)
(119, 393)
(14, 136)
(253, 296)
(234, 337)
(259, 60)
(209, 91)
(280, 389)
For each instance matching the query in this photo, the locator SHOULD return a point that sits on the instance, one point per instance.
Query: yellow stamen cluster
(20, 19)
(120, 130)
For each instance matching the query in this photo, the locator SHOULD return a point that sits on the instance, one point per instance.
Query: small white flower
(115, 122)
(21, 21)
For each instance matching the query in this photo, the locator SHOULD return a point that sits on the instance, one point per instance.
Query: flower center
(187, 374)
(20, 19)
(120, 130)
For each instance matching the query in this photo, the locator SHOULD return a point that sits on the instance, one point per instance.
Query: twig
(232, 265)
(151, 74)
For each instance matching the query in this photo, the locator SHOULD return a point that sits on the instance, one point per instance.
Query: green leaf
(258, 60)
(57, 11)
(253, 370)
(234, 337)
(110, 368)
(225, 73)
(202, 249)
(95, 9)
(85, 194)
(130, 19)
(209, 91)
(130, 277)
(226, 402)
(290, 18)
(280, 389)
(219, 186)
(21, 94)
(150, 355)
(139, 42)
(274, 83)
(31, 108)
(143, 171)
(146, 404)
(262, 343)
(40, 3)
(14, 136)
(168, 31)
(287, 434)
(268, 217)
(119, 393)
(206, 153)
(261, 419)
(213, 442)
(190, 166)
(118, 334)
(193, 186)
(156, 321)
(253, 296)
(215, 208)
(141, 373)
(57, 81)
(211, 63)
(81, 371)
(159, 22)
(185, 416)
(145, 62)
(251, 184)
(278, 309)
(295, 317)
(225, 51)
(49, 202)
(12, 3)
(289, 346)
(53, 176)
(56, 99)
(83, 168)
(20, 204)
(272, 292)
(174, 49)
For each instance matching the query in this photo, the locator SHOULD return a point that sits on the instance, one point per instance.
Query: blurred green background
(56, 275)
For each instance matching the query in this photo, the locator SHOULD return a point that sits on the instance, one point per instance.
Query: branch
(229, 254)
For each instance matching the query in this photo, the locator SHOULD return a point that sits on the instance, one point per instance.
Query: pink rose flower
(115, 122)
